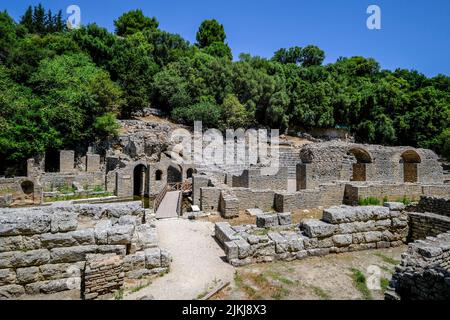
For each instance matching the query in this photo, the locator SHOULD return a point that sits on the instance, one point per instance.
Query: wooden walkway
(168, 207)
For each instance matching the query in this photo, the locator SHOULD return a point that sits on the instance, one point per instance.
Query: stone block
(243, 248)
(7, 276)
(395, 206)
(372, 236)
(11, 291)
(53, 286)
(166, 258)
(266, 220)
(231, 250)
(342, 240)
(284, 218)
(28, 275)
(31, 258)
(64, 222)
(61, 270)
(101, 231)
(71, 254)
(318, 229)
(14, 243)
(56, 240)
(254, 212)
(21, 222)
(120, 234)
(152, 258)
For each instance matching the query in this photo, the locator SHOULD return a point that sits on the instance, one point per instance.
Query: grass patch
(384, 283)
(279, 277)
(249, 291)
(322, 294)
(405, 200)
(359, 280)
(387, 259)
(69, 197)
(139, 287)
(118, 294)
(260, 232)
(369, 201)
(280, 293)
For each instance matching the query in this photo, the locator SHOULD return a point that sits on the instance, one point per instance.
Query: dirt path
(196, 265)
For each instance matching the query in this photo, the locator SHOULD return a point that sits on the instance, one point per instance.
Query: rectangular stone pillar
(66, 161)
(92, 162)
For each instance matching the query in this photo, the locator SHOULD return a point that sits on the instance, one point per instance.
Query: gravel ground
(197, 261)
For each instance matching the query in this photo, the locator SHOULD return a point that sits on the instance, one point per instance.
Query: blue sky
(415, 34)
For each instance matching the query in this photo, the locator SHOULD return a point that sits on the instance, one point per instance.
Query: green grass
(359, 280)
(384, 283)
(322, 294)
(76, 197)
(279, 277)
(280, 293)
(140, 287)
(405, 200)
(66, 189)
(118, 295)
(98, 189)
(261, 232)
(387, 259)
(369, 201)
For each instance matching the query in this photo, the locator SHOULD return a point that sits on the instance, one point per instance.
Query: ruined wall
(248, 199)
(341, 229)
(422, 225)
(257, 179)
(434, 204)
(423, 272)
(44, 249)
(20, 191)
(198, 181)
(325, 195)
(210, 198)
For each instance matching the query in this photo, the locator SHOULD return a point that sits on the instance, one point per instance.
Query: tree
(312, 56)
(234, 112)
(8, 37)
(210, 31)
(27, 19)
(39, 25)
(206, 111)
(291, 55)
(220, 50)
(134, 21)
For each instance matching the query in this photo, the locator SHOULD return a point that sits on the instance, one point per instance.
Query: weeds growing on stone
(359, 281)
(118, 294)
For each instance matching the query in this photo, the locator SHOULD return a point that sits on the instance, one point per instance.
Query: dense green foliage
(64, 88)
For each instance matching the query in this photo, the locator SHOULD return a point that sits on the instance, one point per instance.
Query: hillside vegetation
(64, 88)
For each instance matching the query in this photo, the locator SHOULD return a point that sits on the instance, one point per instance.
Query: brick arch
(410, 159)
(359, 169)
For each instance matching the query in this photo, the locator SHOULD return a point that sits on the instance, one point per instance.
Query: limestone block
(372, 236)
(128, 219)
(342, 240)
(28, 275)
(14, 243)
(254, 212)
(53, 286)
(395, 206)
(315, 228)
(266, 220)
(281, 244)
(134, 261)
(61, 270)
(56, 240)
(71, 254)
(64, 222)
(243, 248)
(284, 218)
(152, 258)
(31, 258)
(11, 291)
(119, 250)
(231, 250)
(166, 258)
(20, 222)
(120, 234)
(101, 231)
(84, 236)
(295, 242)
(7, 276)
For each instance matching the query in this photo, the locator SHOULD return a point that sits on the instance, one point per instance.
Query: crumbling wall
(423, 273)
(422, 225)
(434, 204)
(341, 229)
(44, 249)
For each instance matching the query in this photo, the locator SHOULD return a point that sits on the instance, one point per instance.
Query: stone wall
(322, 196)
(423, 273)
(44, 249)
(257, 179)
(341, 229)
(422, 225)
(435, 205)
(393, 192)
(102, 275)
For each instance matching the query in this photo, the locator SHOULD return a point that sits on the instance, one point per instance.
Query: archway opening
(27, 187)
(158, 175)
(139, 176)
(190, 172)
(359, 168)
(174, 174)
(410, 159)
(51, 160)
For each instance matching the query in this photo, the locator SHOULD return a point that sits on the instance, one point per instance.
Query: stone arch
(359, 169)
(27, 187)
(190, 172)
(139, 179)
(410, 159)
(158, 175)
(174, 174)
